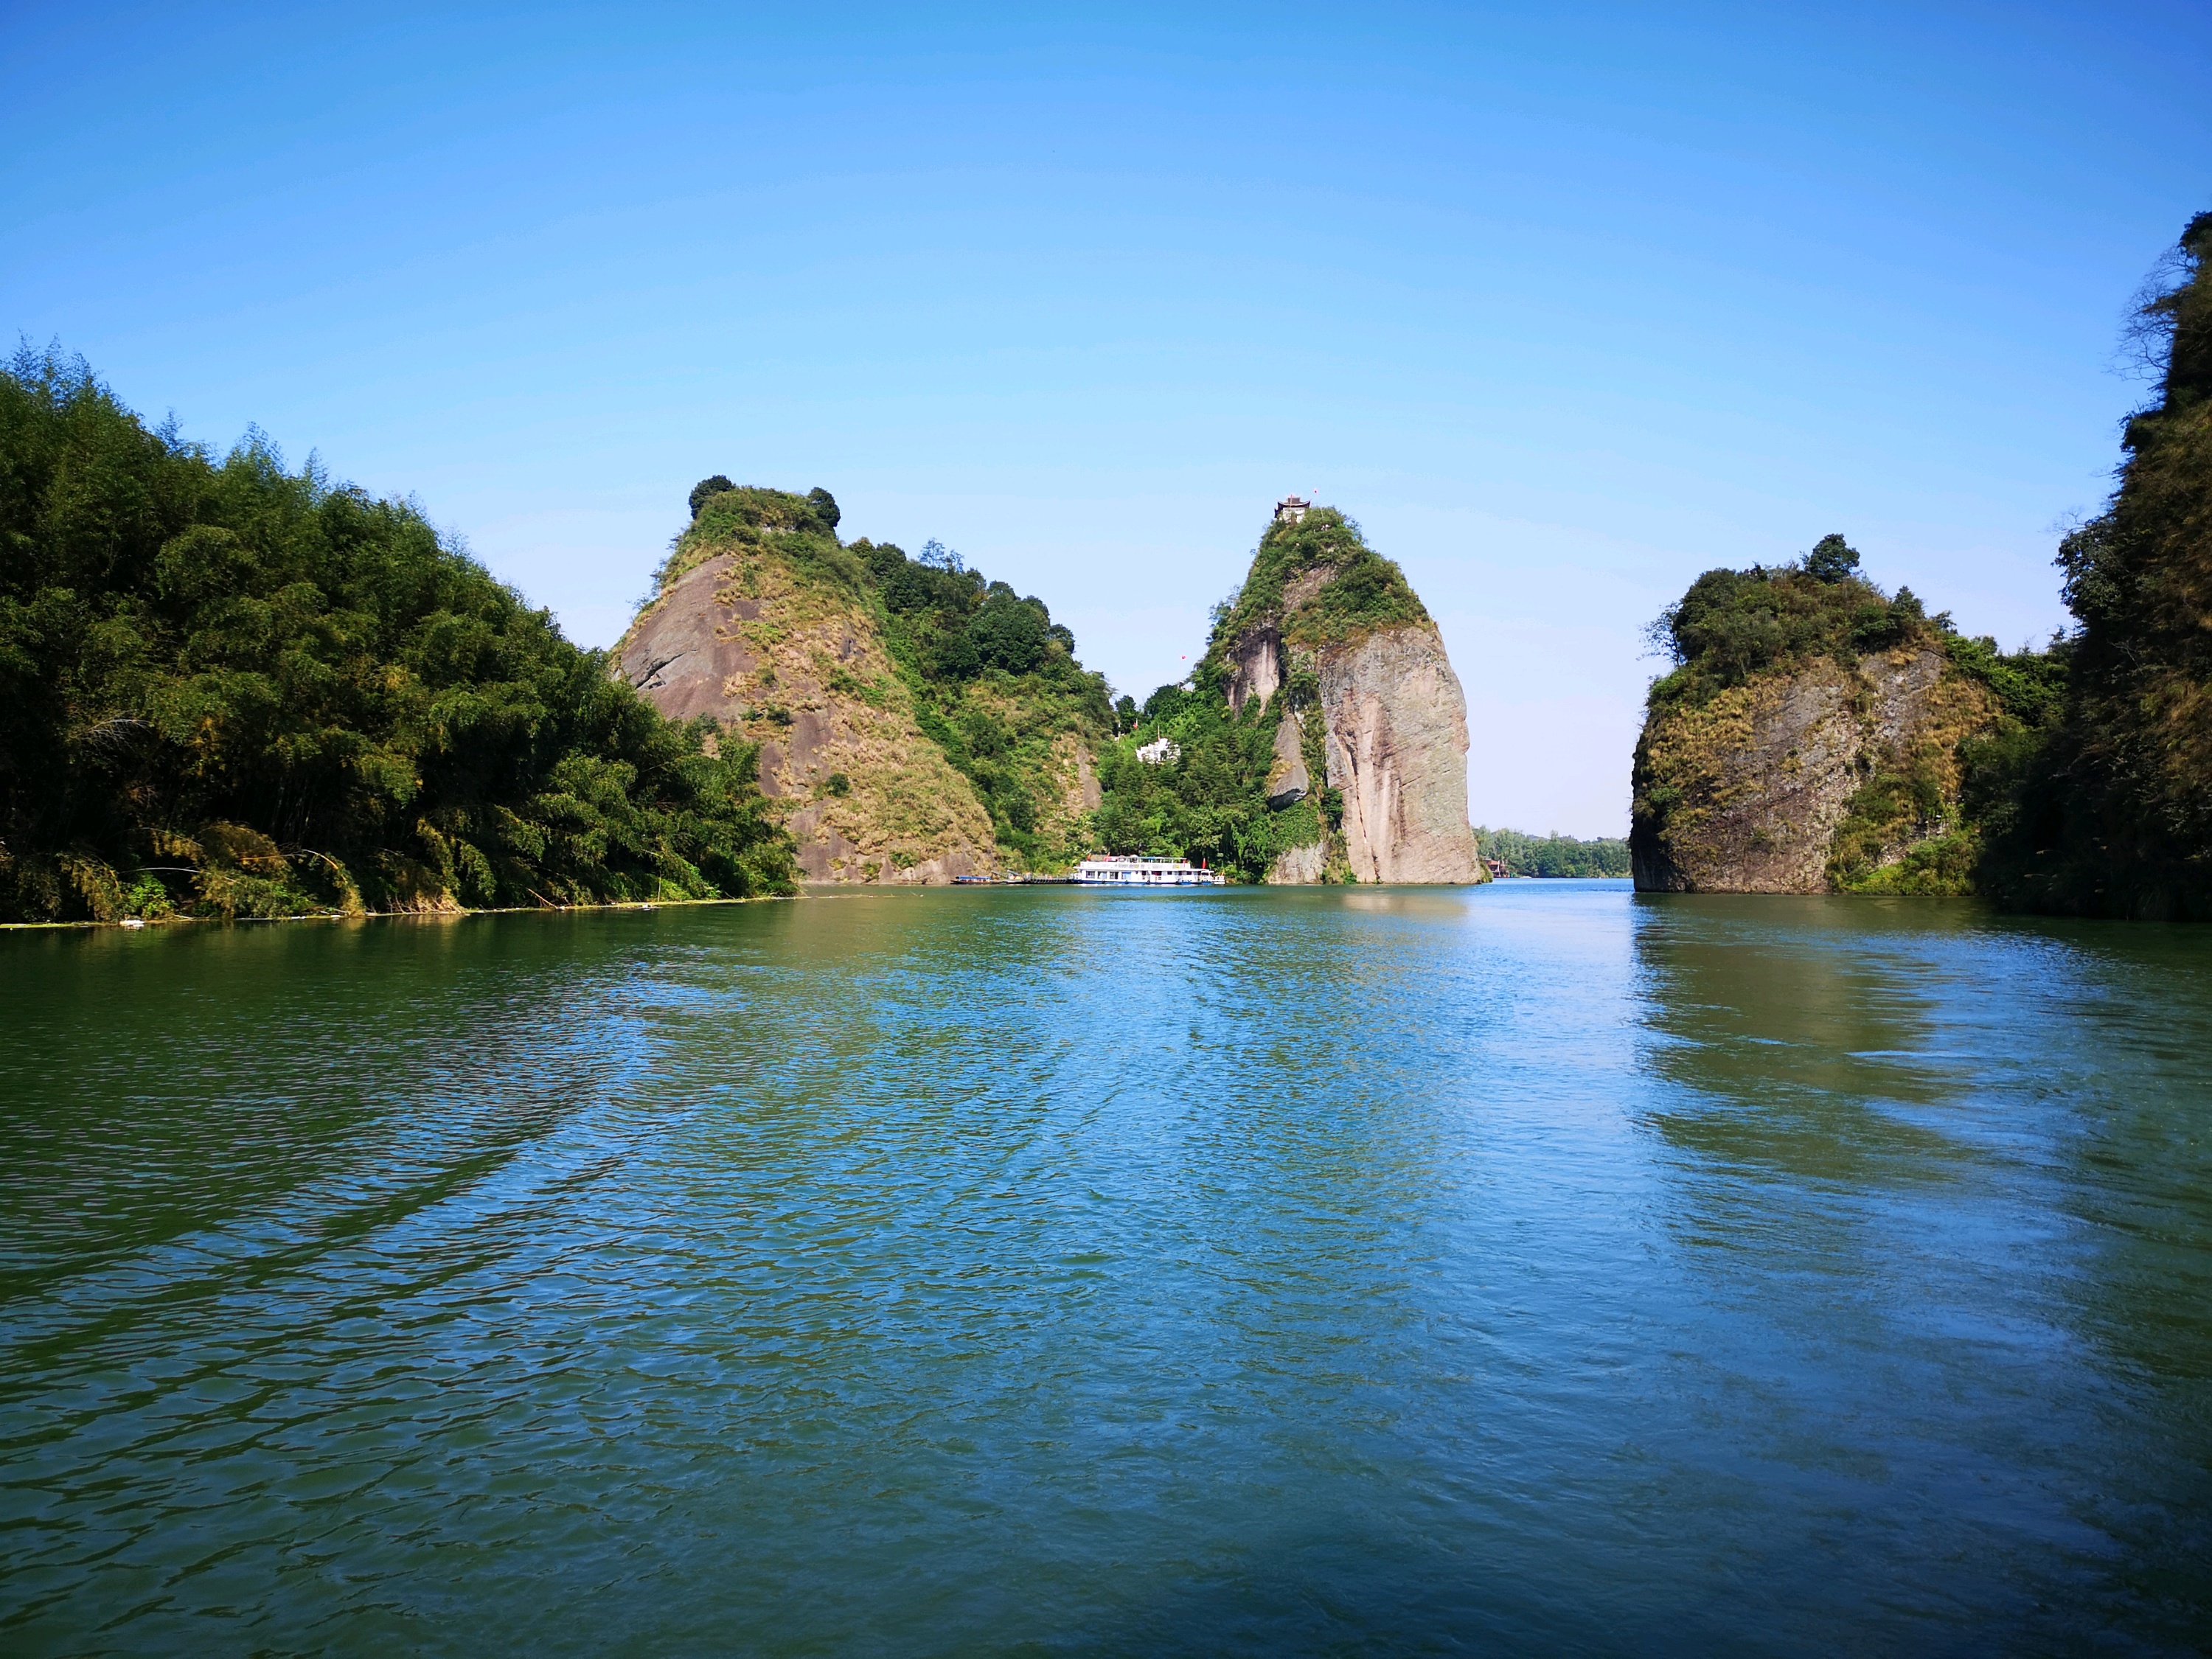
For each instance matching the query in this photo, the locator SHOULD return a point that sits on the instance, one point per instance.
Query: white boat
(1118, 870)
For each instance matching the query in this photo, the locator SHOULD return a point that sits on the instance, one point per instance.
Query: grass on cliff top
(804, 528)
(1734, 624)
(1362, 592)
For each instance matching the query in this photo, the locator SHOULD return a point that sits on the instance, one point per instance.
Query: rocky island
(1322, 737)
(1816, 735)
(1327, 637)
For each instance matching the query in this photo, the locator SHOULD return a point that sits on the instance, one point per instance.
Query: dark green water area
(1533, 1268)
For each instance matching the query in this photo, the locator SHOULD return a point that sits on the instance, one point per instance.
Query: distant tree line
(1554, 855)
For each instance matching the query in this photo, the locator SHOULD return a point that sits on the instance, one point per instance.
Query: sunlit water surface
(1531, 1268)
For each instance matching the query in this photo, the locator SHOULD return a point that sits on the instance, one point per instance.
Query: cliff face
(1370, 713)
(915, 723)
(1812, 778)
(793, 664)
(1391, 721)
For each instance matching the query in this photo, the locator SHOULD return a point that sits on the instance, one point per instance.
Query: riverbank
(133, 924)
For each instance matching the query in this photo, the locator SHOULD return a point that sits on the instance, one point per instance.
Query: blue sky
(1564, 309)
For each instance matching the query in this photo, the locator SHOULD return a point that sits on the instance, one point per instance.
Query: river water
(1536, 1267)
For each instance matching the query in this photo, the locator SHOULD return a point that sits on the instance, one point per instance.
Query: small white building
(1292, 509)
(1160, 751)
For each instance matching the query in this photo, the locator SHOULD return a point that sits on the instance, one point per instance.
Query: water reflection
(1804, 1033)
(1928, 1123)
(1531, 1266)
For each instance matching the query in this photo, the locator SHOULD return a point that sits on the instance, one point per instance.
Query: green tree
(2112, 815)
(230, 688)
(1831, 559)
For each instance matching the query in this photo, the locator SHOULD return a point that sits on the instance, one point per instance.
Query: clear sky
(1563, 308)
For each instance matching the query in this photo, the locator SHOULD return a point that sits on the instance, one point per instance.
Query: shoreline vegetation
(233, 689)
(453, 914)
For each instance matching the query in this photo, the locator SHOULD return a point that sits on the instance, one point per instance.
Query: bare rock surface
(1396, 729)
(1745, 793)
(803, 672)
(1393, 721)
(1301, 866)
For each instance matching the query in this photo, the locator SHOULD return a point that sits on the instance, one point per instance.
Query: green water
(1533, 1268)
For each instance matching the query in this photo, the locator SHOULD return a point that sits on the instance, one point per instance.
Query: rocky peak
(1331, 631)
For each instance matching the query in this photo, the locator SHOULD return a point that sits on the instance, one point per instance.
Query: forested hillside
(2110, 812)
(230, 689)
(997, 685)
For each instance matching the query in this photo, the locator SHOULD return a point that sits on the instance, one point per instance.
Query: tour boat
(1116, 870)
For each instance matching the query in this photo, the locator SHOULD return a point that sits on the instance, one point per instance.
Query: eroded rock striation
(1328, 634)
(1755, 792)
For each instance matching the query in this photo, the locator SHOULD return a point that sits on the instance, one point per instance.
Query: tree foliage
(228, 688)
(1553, 855)
(1208, 802)
(706, 490)
(1733, 624)
(2112, 815)
(996, 685)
